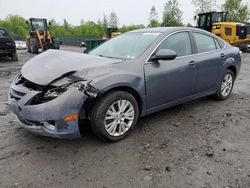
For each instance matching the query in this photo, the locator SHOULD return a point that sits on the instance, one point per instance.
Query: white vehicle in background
(20, 45)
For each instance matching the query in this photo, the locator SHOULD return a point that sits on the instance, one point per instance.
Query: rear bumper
(47, 119)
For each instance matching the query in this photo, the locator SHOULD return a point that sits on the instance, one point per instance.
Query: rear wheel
(114, 115)
(56, 43)
(14, 56)
(226, 85)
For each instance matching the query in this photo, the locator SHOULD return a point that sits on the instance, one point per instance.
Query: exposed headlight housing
(53, 93)
(83, 86)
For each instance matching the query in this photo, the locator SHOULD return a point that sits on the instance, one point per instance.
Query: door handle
(222, 55)
(192, 63)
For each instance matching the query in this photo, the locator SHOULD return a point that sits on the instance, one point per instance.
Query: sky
(128, 11)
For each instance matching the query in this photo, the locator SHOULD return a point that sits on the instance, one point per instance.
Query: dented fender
(66, 104)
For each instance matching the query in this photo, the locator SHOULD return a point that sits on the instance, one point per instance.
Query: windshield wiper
(112, 57)
(106, 56)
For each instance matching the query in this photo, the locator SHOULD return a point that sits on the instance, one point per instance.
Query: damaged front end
(53, 110)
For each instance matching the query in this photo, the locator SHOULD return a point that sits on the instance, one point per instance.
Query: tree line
(238, 11)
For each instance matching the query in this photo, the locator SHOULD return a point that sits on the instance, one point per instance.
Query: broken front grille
(22, 87)
(16, 94)
(28, 84)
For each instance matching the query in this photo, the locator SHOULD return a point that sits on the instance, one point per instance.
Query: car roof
(167, 29)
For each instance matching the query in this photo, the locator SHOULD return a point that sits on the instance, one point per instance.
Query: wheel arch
(233, 69)
(127, 89)
(131, 91)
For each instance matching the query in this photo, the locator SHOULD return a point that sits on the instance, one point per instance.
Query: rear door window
(204, 42)
(217, 44)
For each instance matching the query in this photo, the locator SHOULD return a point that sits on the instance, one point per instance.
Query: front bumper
(47, 118)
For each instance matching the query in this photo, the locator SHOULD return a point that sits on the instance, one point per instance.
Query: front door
(172, 80)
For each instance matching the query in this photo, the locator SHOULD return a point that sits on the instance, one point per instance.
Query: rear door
(209, 59)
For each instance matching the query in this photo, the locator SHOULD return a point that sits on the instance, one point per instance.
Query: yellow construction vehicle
(234, 33)
(39, 36)
(112, 32)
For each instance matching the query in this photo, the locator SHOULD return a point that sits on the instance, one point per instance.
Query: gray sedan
(130, 76)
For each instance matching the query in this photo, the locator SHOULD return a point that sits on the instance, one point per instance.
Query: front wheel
(114, 115)
(226, 85)
(34, 46)
(28, 44)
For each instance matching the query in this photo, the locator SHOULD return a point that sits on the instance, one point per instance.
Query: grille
(47, 124)
(30, 123)
(25, 122)
(16, 94)
(28, 84)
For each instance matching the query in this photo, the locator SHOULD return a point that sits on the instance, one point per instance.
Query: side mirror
(50, 23)
(164, 54)
(27, 22)
(195, 17)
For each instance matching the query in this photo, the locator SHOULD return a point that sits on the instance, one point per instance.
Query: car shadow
(174, 111)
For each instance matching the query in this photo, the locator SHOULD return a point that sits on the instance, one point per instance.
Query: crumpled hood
(52, 64)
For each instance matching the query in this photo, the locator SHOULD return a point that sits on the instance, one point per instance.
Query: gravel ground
(203, 143)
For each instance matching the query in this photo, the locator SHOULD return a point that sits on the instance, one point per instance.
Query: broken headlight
(86, 88)
(53, 93)
(82, 86)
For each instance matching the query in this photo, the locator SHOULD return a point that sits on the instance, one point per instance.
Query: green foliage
(85, 29)
(189, 25)
(204, 5)
(237, 11)
(153, 18)
(113, 20)
(124, 28)
(172, 15)
(105, 22)
(15, 25)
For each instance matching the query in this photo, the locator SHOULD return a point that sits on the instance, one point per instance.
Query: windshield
(3, 33)
(126, 46)
(202, 21)
(218, 17)
(38, 24)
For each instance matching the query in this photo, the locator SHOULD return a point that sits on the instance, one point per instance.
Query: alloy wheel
(119, 118)
(226, 85)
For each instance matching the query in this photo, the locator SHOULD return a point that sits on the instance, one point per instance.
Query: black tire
(14, 56)
(56, 43)
(28, 44)
(100, 108)
(48, 46)
(34, 46)
(219, 94)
